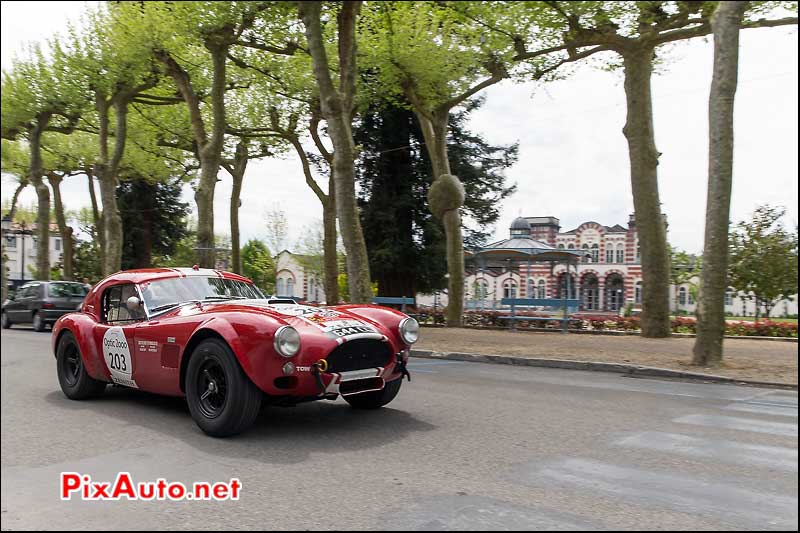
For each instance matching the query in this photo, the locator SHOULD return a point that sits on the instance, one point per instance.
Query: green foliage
(404, 240)
(154, 219)
(763, 260)
(86, 261)
(257, 264)
(184, 254)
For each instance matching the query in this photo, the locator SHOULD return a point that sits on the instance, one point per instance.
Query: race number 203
(117, 355)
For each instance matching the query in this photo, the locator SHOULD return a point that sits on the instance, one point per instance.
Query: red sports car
(214, 338)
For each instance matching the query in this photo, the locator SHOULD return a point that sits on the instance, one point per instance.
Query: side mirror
(133, 303)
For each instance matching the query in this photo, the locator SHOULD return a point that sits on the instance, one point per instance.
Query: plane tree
(548, 35)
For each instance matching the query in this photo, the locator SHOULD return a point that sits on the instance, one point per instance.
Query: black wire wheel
(75, 381)
(222, 399)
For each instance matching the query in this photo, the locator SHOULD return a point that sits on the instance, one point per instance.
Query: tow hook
(316, 370)
(402, 366)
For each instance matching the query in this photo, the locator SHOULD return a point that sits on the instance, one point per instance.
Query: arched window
(595, 253)
(290, 287)
(682, 296)
(609, 253)
(509, 289)
(729, 296)
(637, 292)
(531, 287)
(690, 298)
(585, 250)
(571, 246)
(620, 253)
(561, 246)
(280, 287)
(542, 289)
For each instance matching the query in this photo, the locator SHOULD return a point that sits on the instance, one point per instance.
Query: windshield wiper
(221, 297)
(170, 306)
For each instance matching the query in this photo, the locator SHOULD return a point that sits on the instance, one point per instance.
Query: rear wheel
(375, 399)
(222, 399)
(38, 322)
(5, 321)
(75, 381)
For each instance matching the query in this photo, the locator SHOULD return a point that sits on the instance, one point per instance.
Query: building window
(531, 288)
(682, 296)
(690, 298)
(290, 287)
(609, 253)
(728, 296)
(638, 252)
(481, 289)
(595, 253)
(11, 242)
(637, 292)
(585, 250)
(509, 289)
(620, 253)
(280, 287)
(542, 289)
(560, 246)
(571, 246)
(58, 245)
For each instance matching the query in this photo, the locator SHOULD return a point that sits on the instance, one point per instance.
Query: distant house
(20, 247)
(292, 278)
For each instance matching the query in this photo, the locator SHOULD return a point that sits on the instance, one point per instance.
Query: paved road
(465, 446)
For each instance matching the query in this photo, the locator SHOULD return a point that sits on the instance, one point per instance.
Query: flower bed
(491, 318)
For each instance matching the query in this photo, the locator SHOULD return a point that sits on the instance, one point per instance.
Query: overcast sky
(573, 160)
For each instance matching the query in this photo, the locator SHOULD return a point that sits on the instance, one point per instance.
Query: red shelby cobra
(214, 338)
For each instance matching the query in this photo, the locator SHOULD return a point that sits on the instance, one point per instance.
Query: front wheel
(222, 399)
(375, 399)
(6, 322)
(75, 381)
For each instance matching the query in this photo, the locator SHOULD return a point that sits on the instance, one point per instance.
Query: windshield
(66, 290)
(163, 294)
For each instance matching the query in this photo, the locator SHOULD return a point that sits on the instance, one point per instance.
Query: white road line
(736, 506)
(741, 424)
(763, 409)
(719, 450)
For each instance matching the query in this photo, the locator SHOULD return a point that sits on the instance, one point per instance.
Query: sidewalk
(745, 359)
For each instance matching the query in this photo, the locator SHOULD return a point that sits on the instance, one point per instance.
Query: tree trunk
(644, 183)
(43, 196)
(336, 109)
(106, 171)
(66, 232)
(236, 255)
(331, 280)
(725, 23)
(99, 227)
(435, 134)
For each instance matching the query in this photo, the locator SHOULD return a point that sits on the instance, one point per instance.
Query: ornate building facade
(609, 276)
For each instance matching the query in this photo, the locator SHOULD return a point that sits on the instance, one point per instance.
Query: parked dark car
(42, 302)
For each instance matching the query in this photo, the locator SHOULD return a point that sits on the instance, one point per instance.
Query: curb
(614, 333)
(619, 368)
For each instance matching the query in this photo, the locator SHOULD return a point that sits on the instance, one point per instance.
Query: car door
(12, 308)
(115, 334)
(25, 303)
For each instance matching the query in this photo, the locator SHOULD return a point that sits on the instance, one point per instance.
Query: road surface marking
(741, 424)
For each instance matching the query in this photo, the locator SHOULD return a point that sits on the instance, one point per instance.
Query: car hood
(323, 321)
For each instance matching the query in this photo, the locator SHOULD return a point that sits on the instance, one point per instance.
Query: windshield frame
(147, 305)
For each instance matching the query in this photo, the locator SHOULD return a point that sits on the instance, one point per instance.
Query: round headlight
(409, 330)
(287, 341)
